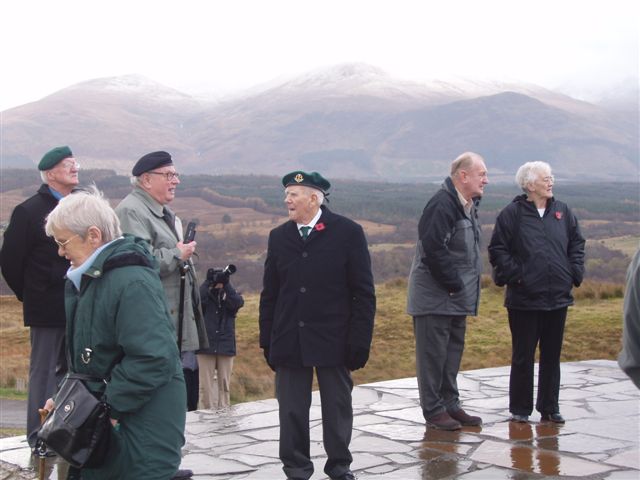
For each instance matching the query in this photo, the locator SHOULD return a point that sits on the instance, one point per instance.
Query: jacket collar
(154, 206)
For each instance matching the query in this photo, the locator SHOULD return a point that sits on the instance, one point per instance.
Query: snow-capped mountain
(345, 120)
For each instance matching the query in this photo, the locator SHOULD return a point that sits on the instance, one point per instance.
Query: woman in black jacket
(537, 250)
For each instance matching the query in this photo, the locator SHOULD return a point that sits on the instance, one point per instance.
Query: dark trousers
(293, 391)
(439, 347)
(528, 329)
(47, 366)
(192, 383)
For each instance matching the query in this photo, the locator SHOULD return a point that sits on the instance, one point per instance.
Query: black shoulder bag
(78, 428)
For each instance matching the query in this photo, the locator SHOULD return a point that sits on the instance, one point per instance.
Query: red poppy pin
(559, 215)
(319, 227)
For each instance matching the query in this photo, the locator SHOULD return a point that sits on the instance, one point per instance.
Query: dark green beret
(54, 157)
(313, 180)
(151, 161)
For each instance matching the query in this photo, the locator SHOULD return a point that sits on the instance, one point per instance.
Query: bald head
(469, 175)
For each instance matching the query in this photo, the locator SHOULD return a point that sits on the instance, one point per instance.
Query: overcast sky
(200, 46)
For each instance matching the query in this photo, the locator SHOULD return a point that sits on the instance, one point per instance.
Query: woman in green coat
(119, 329)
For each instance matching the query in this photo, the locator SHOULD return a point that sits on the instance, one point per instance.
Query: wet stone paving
(600, 439)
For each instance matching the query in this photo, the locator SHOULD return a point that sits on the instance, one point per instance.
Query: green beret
(313, 180)
(54, 157)
(151, 161)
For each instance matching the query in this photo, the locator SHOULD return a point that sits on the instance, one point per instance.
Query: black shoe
(552, 417)
(182, 474)
(519, 418)
(345, 476)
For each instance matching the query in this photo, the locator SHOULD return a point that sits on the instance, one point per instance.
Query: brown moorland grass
(593, 331)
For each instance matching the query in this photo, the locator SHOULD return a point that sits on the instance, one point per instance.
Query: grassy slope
(593, 331)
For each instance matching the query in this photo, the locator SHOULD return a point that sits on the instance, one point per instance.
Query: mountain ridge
(345, 120)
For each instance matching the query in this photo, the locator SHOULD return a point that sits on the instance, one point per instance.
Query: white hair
(529, 172)
(463, 161)
(43, 176)
(82, 209)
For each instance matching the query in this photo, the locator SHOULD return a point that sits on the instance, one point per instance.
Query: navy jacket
(539, 259)
(220, 307)
(318, 298)
(30, 262)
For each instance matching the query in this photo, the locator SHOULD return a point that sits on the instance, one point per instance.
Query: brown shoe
(465, 419)
(443, 421)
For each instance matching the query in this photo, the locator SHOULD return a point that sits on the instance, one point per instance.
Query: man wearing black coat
(317, 310)
(36, 274)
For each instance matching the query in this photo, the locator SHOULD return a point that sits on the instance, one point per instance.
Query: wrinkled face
(64, 175)
(161, 183)
(542, 186)
(474, 179)
(72, 246)
(301, 203)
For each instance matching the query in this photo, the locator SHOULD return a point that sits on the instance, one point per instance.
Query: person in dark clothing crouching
(537, 251)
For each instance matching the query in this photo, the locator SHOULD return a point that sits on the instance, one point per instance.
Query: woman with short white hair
(119, 330)
(537, 251)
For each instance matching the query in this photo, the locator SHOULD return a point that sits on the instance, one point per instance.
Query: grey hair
(463, 161)
(43, 176)
(134, 180)
(82, 209)
(528, 173)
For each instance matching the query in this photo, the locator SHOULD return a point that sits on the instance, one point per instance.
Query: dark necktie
(170, 220)
(304, 231)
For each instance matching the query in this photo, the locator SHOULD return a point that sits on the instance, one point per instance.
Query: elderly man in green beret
(34, 271)
(317, 309)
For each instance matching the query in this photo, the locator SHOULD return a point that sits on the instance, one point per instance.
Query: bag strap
(84, 377)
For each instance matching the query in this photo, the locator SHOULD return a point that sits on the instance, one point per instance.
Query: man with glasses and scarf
(36, 274)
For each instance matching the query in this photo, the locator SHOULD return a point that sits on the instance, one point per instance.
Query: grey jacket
(446, 268)
(141, 215)
(629, 359)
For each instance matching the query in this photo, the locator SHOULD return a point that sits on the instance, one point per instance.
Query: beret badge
(299, 178)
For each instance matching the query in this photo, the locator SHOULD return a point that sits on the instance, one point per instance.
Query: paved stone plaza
(600, 439)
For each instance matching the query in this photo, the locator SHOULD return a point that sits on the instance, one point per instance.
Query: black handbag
(78, 429)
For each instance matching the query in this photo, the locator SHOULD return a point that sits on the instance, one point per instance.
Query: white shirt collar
(313, 221)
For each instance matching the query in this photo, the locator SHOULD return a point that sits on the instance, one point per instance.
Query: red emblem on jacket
(559, 215)
(319, 227)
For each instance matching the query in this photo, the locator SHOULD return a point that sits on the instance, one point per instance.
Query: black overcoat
(30, 262)
(318, 298)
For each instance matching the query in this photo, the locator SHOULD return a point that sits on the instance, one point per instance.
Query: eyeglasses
(64, 244)
(70, 165)
(167, 175)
